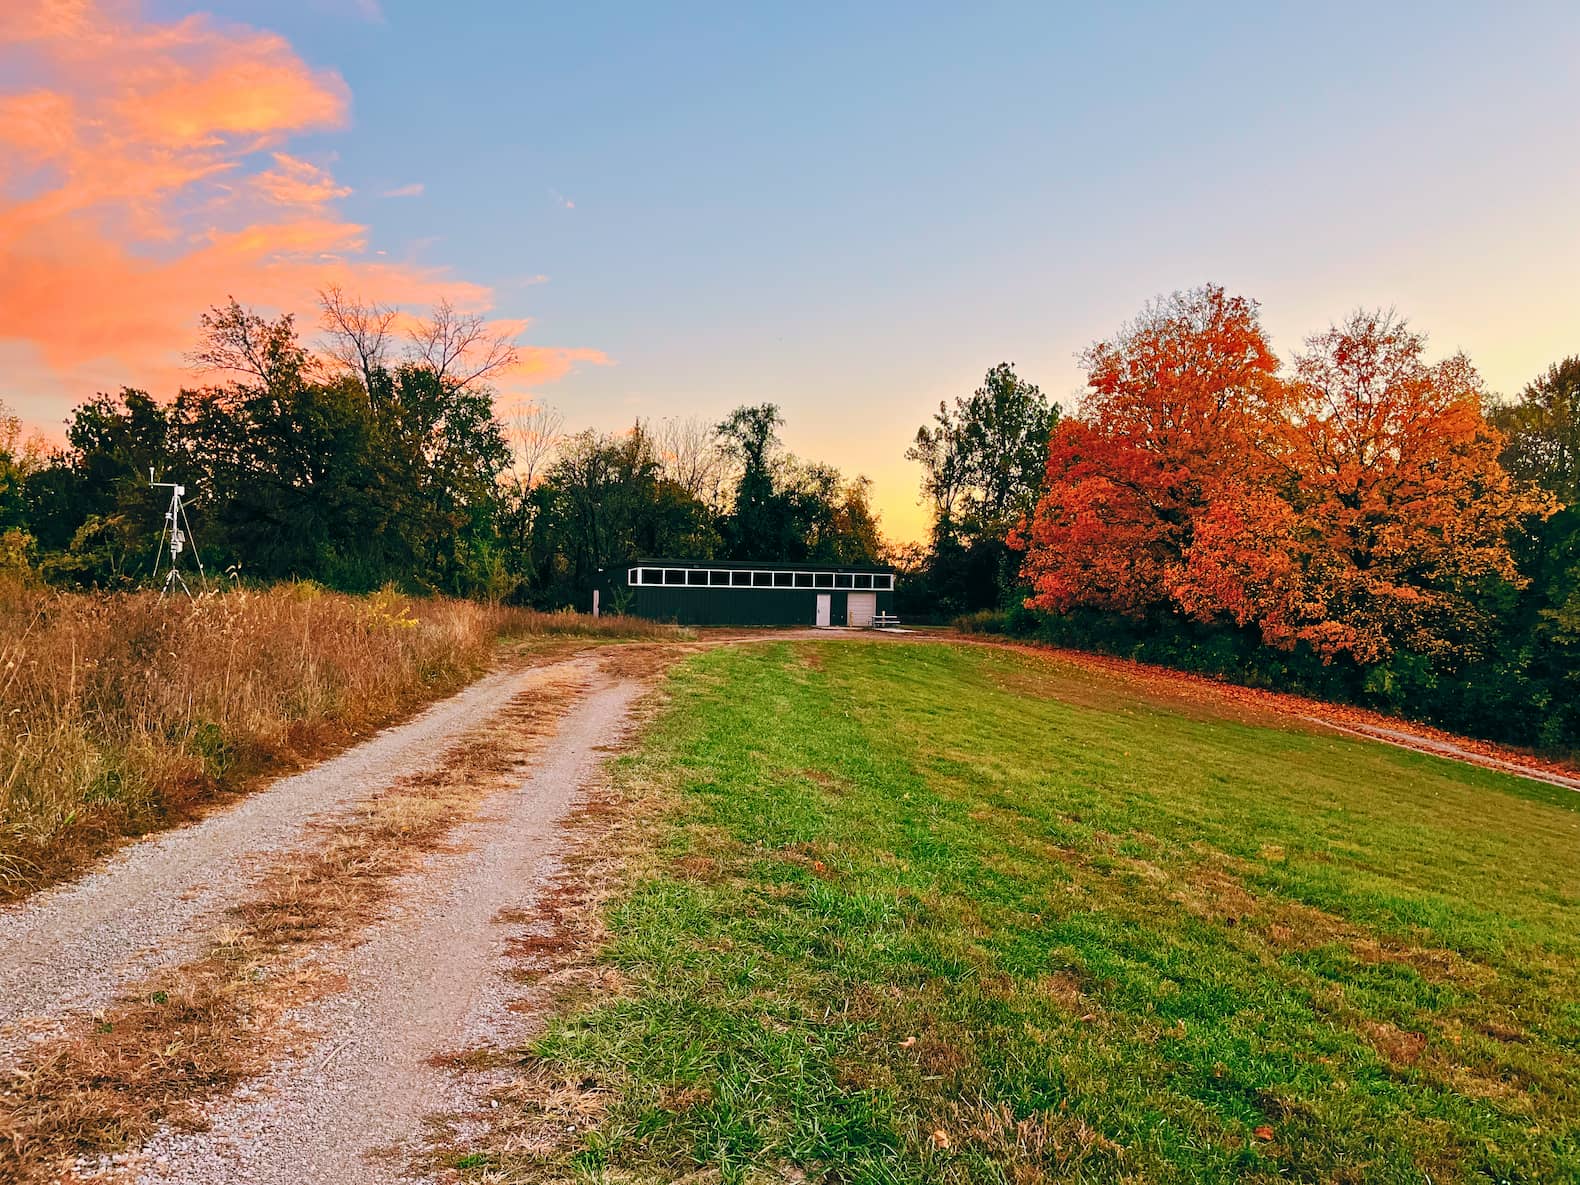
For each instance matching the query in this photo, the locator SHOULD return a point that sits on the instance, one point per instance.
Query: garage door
(860, 608)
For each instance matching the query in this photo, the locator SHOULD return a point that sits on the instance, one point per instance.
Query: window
(742, 578)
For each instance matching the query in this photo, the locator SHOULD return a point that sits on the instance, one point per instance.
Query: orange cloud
(212, 86)
(544, 364)
(295, 182)
(144, 175)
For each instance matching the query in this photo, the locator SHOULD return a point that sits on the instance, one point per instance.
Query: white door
(825, 603)
(860, 609)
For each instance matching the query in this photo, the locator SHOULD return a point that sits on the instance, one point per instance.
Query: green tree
(238, 341)
(18, 460)
(755, 527)
(1542, 431)
(983, 461)
(293, 473)
(610, 502)
(13, 475)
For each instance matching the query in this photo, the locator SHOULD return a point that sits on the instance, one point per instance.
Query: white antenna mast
(174, 535)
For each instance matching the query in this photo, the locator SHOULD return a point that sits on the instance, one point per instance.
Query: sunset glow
(853, 215)
(145, 174)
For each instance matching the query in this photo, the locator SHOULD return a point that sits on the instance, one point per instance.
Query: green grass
(1131, 941)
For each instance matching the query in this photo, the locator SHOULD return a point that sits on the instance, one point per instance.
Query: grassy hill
(916, 913)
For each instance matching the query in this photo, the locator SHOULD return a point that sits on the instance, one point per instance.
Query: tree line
(1358, 521)
(380, 458)
(1361, 522)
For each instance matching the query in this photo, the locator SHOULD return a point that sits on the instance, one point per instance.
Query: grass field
(928, 913)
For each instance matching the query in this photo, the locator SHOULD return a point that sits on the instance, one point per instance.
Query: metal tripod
(174, 535)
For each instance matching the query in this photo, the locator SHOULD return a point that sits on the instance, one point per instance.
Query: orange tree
(1358, 507)
(1175, 418)
(1385, 524)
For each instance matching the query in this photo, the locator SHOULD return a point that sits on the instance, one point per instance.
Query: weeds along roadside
(123, 714)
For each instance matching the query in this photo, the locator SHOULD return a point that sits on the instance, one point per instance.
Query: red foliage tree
(1359, 508)
(1395, 512)
(1176, 413)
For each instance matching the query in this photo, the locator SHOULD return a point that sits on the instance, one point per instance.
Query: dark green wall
(733, 606)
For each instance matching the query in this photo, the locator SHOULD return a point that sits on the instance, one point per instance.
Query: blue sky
(856, 211)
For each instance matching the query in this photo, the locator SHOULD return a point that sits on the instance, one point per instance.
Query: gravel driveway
(68, 950)
(429, 978)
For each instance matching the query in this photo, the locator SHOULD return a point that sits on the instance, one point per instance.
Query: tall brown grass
(123, 713)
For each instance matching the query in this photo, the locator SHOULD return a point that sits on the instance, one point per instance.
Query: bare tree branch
(692, 457)
(458, 347)
(358, 335)
(534, 431)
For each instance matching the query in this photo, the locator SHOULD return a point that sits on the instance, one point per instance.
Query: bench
(884, 620)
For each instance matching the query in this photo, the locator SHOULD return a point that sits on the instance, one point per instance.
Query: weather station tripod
(174, 536)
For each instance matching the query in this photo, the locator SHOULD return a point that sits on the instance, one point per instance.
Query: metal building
(725, 592)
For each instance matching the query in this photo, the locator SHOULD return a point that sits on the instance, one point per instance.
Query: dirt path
(428, 979)
(69, 949)
(1441, 747)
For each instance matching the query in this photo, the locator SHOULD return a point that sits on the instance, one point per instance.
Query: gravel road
(68, 950)
(429, 978)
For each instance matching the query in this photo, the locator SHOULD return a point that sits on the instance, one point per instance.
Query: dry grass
(189, 1033)
(120, 714)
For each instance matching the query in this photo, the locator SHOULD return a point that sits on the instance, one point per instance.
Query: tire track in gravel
(431, 977)
(68, 950)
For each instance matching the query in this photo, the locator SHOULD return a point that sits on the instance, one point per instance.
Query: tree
(1542, 446)
(359, 335)
(1392, 516)
(1542, 432)
(534, 431)
(945, 472)
(17, 461)
(856, 535)
(983, 461)
(693, 457)
(238, 341)
(1181, 409)
(459, 348)
(756, 526)
(611, 502)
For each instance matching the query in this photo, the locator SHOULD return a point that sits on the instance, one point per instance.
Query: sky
(853, 211)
